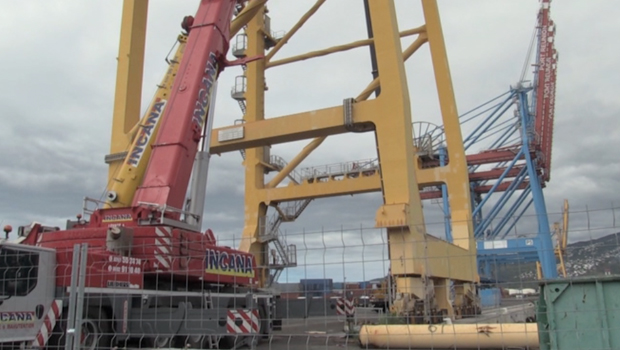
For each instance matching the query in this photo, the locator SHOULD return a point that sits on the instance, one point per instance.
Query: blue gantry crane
(508, 152)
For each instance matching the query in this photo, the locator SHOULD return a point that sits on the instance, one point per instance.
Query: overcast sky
(58, 66)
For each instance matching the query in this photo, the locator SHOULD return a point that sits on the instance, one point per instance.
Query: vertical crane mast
(167, 175)
(545, 85)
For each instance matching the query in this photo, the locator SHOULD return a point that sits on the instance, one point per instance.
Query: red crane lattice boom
(545, 87)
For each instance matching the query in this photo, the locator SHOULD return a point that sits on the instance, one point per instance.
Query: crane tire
(96, 330)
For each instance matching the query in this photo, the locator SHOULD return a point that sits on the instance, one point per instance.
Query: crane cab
(27, 287)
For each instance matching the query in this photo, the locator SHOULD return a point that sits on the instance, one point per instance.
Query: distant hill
(595, 257)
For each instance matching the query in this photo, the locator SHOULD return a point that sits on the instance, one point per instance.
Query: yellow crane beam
(335, 49)
(128, 92)
(289, 34)
(294, 127)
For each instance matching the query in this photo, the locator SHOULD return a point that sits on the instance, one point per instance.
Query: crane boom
(152, 250)
(545, 85)
(168, 173)
(122, 187)
(124, 182)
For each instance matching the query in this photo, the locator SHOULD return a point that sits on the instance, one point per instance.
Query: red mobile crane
(145, 272)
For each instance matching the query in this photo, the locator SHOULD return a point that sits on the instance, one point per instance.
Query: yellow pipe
(409, 51)
(295, 162)
(450, 336)
(319, 53)
(246, 15)
(418, 30)
(294, 29)
(339, 48)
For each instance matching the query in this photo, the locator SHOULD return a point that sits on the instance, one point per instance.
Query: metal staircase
(282, 255)
(339, 171)
(278, 163)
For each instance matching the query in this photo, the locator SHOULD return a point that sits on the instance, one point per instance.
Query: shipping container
(579, 313)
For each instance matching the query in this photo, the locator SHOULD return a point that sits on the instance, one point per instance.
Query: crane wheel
(160, 342)
(191, 342)
(265, 326)
(96, 331)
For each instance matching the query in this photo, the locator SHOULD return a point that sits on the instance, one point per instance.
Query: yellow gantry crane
(560, 230)
(433, 278)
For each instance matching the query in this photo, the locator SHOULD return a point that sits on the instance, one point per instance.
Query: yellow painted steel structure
(561, 234)
(422, 265)
(128, 92)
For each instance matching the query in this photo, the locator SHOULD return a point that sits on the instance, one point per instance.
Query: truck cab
(27, 290)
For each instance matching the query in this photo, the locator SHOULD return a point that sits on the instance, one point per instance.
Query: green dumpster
(581, 313)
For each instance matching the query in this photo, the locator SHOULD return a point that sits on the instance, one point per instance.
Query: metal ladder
(212, 340)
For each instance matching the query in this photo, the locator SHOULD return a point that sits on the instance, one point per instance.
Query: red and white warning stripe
(163, 246)
(345, 307)
(242, 321)
(48, 324)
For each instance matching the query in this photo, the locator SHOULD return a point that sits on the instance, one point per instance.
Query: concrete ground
(328, 333)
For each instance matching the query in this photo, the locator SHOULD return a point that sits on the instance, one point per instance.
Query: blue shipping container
(490, 297)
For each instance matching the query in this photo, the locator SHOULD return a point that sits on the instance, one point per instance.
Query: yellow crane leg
(256, 209)
(455, 174)
(129, 73)
(422, 268)
(401, 213)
